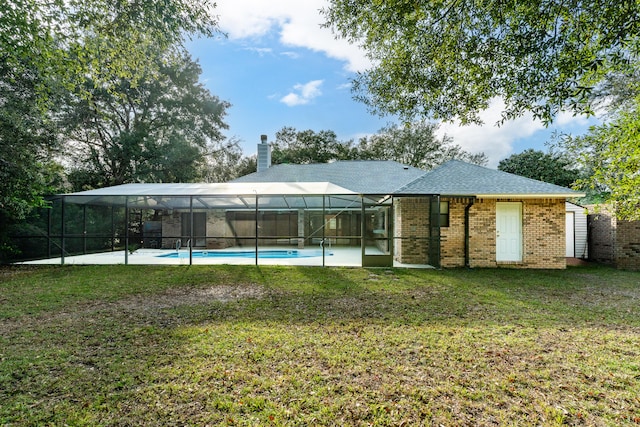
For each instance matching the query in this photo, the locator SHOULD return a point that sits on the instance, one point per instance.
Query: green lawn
(237, 345)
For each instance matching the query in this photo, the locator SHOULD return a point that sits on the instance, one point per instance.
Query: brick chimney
(264, 154)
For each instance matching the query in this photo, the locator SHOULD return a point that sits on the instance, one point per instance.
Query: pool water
(277, 253)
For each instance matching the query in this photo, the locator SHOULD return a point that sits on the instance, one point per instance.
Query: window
(333, 223)
(444, 214)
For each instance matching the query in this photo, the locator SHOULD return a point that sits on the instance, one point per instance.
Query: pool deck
(335, 257)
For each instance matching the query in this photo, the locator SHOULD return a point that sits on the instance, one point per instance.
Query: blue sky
(278, 67)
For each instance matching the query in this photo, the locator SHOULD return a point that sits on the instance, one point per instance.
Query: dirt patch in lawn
(187, 296)
(10, 271)
(144, 305)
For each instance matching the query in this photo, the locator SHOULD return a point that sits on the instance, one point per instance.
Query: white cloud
(303, 93)
(497, 141)
(567, 118)
(292, 55)
(262, 51)
(298, 24)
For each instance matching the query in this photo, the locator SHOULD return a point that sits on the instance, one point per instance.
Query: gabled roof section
(359, 176)
(457, 178)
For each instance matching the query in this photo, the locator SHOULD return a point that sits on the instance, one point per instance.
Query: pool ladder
(328, 240)
(179, 244)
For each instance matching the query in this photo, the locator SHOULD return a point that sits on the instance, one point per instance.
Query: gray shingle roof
(360, 176)
(456, 178)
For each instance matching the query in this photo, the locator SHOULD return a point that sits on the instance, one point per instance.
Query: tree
(246, 166)
(303, 147)
(226, 163)
(66, 40)
(555, 168)
(27, 139)
(416, 145)
(447, 59)
(612, 152)
(412, 144)
(618, 92)
(28, 142)
(48, 46)
(158, 130)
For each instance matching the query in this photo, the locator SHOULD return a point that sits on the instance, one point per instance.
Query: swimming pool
(271, 253)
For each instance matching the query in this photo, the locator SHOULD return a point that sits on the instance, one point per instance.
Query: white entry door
(508, 232)
(570, 234)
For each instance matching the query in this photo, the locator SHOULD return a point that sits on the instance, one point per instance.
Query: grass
(234, 345)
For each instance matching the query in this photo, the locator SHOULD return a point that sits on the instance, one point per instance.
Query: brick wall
(482, 233)
(218, 230)
(613, 241)
(412, 230)
(544, 233)
(602, 226)
(543, 228)
(627, 245)
(452, 238)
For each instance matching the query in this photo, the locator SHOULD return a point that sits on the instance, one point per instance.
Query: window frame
(444, 213)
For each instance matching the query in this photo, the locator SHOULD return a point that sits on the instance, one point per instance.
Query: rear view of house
(369, 213)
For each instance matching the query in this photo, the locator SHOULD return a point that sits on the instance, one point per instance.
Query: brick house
(456, 215)
(378, 213)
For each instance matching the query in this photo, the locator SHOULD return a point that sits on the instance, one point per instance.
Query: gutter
(530, 196)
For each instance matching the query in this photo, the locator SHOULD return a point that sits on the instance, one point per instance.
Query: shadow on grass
(305, 295)
(310, 294)
(134, 345)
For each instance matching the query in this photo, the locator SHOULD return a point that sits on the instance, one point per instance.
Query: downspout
(467, 255)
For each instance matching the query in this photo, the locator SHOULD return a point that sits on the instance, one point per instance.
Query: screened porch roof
(231, 195)
(217, 189)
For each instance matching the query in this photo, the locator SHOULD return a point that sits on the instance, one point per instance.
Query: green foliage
(612, 152)
(48, 47)
(619, 90)
(304, 147)
(555, 168)
(413, 144)
(27, 140)
(247, 165)
(28, 143)
(159, 130)
(447, 60)
(225, 163)
(66, 40)
(416, 145)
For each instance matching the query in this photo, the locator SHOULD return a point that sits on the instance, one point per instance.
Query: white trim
(530, 196)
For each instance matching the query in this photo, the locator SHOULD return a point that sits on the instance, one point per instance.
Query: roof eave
(531, 196)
